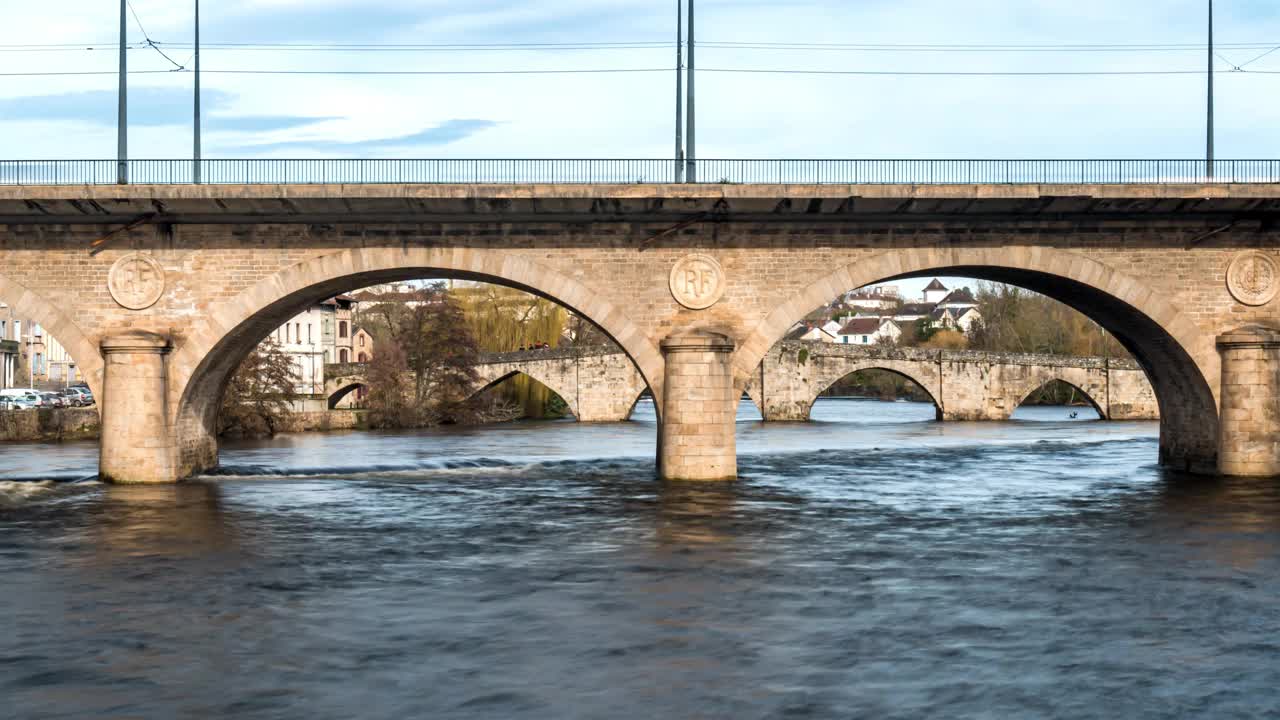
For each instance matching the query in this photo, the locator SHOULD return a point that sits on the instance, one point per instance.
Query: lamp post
(1209, 139)
(122, 109)
(195, 164)
(679, 91)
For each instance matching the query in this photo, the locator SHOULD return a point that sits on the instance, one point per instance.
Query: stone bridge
(964, 385)
(601, 384)
(159, 291)
(598, 384)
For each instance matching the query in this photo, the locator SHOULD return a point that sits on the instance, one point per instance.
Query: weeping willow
(503, 320)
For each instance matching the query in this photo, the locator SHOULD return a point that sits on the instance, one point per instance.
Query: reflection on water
(895, 568)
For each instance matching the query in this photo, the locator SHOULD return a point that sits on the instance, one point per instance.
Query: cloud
(445, 133)
(148, 107)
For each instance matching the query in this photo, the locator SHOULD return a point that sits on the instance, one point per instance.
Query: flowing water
(871, 564)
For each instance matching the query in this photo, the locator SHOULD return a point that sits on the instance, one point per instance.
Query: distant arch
(341, 393)
(491, 382)
(903, 370)
(1026, 394)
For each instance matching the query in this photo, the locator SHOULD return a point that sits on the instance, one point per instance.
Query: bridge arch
(1179, 359)
(1026, 394)
(492, 378)
(341, 391)
(204, 361)
(29, 304)
(906, 370)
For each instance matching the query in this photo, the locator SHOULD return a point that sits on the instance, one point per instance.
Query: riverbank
(54, 425)
(50, 425)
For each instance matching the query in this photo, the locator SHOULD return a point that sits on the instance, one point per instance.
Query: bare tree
(256, 400)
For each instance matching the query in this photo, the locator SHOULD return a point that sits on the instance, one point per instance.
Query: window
(361, 341)
(308, 333)
(866, 340)
(342, 355)
(845, 339)
(342, 328)
(362, 358)
(297, 333)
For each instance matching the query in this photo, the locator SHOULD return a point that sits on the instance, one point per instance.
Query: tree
(423, 366)
(441, 354)
(256, 400)
(390, 388)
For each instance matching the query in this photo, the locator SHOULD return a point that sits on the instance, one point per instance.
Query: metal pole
(195, 166)
(679, 91)
(691, 174)
(1209, 141)
(122, 116)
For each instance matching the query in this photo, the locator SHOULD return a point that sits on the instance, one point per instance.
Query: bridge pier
(137, 442)
(696, 434)
(1249, 429)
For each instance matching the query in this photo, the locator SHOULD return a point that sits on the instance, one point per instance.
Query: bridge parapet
(908, 354)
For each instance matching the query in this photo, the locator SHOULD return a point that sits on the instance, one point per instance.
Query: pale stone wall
(1250, 402)
(49, 425)
(1145, 261)
(696, 435)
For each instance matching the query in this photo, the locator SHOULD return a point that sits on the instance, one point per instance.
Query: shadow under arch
(28, 304)
(880, 366)
(342, 392)
(1040, 384)
(1179, 359)
(489, 384)
(204, 361)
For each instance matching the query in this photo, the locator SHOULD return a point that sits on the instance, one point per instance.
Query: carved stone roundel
(1253, 278)
(697, 281)
(136, 281)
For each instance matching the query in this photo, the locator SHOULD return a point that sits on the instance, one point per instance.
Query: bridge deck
(392, 203)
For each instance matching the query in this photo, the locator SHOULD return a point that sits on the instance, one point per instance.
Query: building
(879, 297)
(958, 300)
(811, 333)
(10, 348)
(934, 292)
(362, 345)
(868, 331)
(317, 336)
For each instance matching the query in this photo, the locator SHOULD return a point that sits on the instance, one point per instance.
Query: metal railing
(628, 172)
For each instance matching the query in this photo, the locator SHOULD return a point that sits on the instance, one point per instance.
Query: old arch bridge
(160, 290)
(601, 384)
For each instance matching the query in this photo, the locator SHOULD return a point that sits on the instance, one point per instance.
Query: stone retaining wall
(50, 425)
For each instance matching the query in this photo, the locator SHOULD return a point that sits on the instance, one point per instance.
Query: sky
(631, 115)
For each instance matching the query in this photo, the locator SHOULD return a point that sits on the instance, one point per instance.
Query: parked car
(53, 399)
(21, 398)
(78, 397)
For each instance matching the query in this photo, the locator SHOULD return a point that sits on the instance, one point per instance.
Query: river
(870, 564)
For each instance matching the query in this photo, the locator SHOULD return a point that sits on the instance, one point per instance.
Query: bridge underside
(1184, 275)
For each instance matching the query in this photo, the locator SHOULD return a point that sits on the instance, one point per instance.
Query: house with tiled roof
(935, 291)
(868, 331)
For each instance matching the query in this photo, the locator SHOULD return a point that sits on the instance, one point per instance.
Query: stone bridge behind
(964, 384)
(601, 384)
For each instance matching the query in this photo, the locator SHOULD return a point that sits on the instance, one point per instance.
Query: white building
(868, 331)
(934, 292)
(879, 297)
(316, 336)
